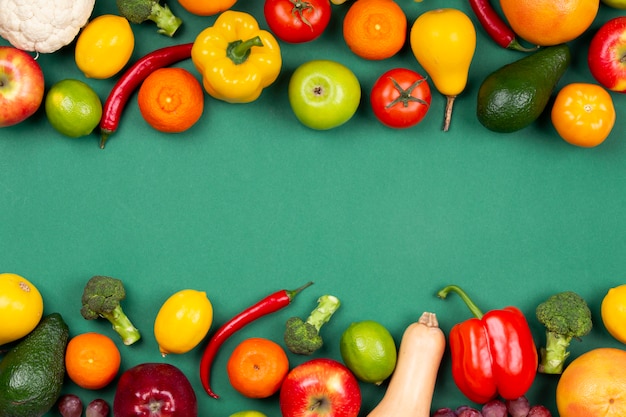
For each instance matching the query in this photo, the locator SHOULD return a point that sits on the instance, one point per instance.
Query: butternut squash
(412, 384)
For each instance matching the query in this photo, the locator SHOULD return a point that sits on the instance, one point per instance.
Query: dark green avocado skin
(32, 373)
(515, 95)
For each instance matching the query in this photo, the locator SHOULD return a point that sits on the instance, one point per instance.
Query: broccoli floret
(101, 298)
(565, 316)
(303, 337)
(138, 11)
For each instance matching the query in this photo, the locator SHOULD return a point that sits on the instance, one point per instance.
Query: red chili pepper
(495, 26)
(492, 354)
(132, 78)
(267, 305)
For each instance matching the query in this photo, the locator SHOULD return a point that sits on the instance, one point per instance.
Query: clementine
(92, 360)
(549, 22)
(171, 99)
(257, 367)
(375, 29)
(593, 385)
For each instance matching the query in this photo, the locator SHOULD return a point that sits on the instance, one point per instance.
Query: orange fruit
(257, 367)
(549, 22)
(92, 360)
(593, 385)
(375, 29)
(171, 100)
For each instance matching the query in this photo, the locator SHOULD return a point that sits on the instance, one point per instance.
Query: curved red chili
(131, 79)
(267, 305)
(495, 26)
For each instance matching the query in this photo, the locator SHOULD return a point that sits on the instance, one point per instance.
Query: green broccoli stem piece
(165, 20)
(326, 307)
(122, 325)
(555, 352)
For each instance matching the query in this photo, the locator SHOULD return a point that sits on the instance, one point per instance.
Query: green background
(249, 201)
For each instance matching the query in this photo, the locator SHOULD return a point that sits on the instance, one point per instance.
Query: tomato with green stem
(400, 98)
(583, 114)
(297, 21)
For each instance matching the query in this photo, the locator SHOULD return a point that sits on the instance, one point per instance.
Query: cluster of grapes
(497, 408)
(71, 406)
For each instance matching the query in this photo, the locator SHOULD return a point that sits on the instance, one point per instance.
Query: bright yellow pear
(443, 42)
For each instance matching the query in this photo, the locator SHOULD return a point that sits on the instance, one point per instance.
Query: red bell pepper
(493, 353)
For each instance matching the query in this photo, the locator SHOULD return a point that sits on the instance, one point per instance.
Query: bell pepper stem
(443, 293)
(238, 51)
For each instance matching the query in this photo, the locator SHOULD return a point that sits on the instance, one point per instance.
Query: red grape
(70, 406)
(539, 411)
(444, 412)
(97, 408)
(494, 408)
(466, 411)
(518, 407)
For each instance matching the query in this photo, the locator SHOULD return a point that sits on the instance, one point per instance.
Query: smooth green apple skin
(324, 94)
(617, 4)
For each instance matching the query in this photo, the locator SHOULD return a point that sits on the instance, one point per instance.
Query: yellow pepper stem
(238, 51)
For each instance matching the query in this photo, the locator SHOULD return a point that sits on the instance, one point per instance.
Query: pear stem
(447, 119)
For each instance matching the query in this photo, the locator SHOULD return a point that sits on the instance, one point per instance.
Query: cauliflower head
(43, 26)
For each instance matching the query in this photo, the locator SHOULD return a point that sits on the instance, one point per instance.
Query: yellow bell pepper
(237, 60)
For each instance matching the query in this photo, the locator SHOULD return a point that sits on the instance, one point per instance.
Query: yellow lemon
(104, 46)
(369, 351)
(613, 311)
(21, 307)
(183, 321)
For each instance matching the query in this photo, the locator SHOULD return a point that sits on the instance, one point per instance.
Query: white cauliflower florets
(43, 25)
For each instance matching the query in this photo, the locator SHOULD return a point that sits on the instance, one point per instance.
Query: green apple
(617, 4)
(324, 94)
(248, 413)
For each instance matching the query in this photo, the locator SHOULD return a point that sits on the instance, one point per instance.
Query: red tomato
(400, 98)
(297, 21)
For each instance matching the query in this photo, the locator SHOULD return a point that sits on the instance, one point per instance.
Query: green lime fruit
(73, 108)
(369, 351)
(248, 413)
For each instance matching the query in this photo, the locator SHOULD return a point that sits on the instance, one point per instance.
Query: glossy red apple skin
(154, 390)
(21, 86)
(320, 388)
(607, 55)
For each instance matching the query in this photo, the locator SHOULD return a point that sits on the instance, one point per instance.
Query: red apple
(607, 55)
(21, 86)
(154, 390)
(320, 388)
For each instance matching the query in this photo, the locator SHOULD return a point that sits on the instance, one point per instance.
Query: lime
(73, 108)
(248, 413)
(369, 351)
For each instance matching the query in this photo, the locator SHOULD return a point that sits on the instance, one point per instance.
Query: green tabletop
(249, 201)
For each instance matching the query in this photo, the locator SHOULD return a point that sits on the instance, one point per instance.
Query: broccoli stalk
(565, 316)
(303, 337)
(138, 11)
(101, 298)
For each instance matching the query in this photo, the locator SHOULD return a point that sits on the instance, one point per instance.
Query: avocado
(32, 372)
(515, 95)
